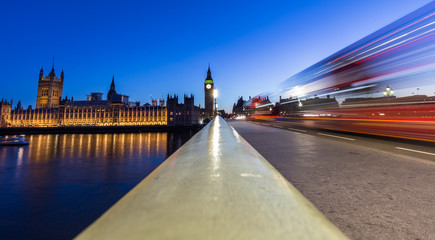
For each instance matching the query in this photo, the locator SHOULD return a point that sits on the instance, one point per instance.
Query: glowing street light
(215, 95)
(388, 91)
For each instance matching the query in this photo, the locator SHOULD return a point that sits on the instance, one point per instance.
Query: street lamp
(388, 91)
(215, 95)
(299, 103)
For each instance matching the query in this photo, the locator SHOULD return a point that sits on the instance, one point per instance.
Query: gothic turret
(19, 107)
(41, 74)
(49, 89)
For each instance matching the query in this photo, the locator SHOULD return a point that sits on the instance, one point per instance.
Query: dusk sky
(155, 48)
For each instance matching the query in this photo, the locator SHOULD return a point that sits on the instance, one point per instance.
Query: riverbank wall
(95, 129)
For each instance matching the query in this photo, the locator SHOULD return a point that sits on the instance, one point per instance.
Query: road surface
(369, 188)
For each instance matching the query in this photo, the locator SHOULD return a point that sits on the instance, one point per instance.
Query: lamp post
(215, 94)
(388, 91)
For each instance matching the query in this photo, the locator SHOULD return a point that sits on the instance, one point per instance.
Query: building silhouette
(112, 88)
(209, 98)
(185, 114)
(238, 108)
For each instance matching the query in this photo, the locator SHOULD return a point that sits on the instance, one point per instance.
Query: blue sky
(158, 47)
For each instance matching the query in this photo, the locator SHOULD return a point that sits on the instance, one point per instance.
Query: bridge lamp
(215, 95)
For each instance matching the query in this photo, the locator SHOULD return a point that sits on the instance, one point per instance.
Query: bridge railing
(216, 186)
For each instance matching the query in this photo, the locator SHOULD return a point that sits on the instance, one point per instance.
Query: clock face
(208, 86)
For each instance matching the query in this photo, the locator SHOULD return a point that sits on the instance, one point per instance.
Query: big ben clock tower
(208, 90)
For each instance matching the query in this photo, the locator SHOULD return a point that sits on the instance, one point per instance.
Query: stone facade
(5, 112)
(52, 111)
(49, 89)
(92, 112)
(87, 113)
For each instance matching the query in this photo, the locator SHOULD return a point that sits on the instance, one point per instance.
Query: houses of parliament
(116, 110)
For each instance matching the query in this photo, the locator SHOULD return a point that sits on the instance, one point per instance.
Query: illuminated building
(94, 111)
(88, 113)
(49, 89)
(5, 112)
(91, 112)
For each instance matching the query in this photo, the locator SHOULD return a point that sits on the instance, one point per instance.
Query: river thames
(60, 183)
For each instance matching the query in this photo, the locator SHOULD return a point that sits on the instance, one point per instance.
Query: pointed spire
(209, 73)
(52, 68)
(112, 85)
(19, 105)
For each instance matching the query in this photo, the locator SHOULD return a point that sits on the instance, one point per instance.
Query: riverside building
(53, 111)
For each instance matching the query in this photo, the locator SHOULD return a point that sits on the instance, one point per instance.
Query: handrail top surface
(216, 186)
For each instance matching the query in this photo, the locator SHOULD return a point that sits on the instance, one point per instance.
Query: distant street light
(388, 91)
(215, 94)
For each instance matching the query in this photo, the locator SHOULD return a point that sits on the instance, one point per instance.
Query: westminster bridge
(245, 180)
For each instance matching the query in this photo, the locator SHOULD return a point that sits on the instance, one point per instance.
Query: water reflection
(58, 184)
(47, 147)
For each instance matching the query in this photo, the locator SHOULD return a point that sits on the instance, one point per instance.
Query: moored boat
(13, 141)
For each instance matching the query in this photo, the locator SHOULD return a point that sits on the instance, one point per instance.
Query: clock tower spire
(208, 93)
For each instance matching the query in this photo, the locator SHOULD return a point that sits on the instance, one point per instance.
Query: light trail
(388, 50)
(381, 51)
(382, 38)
